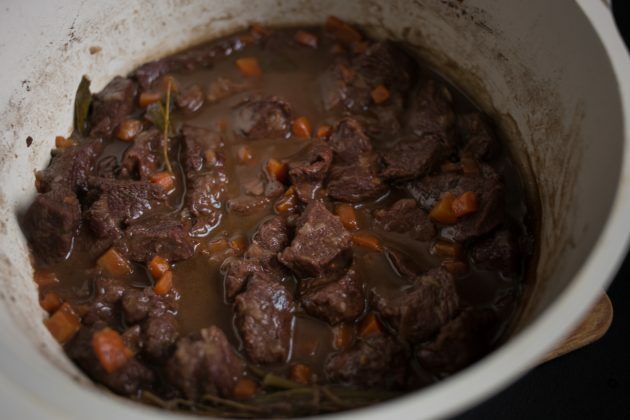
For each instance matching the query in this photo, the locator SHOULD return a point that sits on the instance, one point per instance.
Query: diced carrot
(443, 210)
(287, 203)
(129, 129)
(244, 154)
(469, 166)
(63, 324)
(114, 263)
(446, 249)
(368, 241)
(45, 278)
(110, 349)
(306, 39)
(301, 374)
(380, 94)
(278, 170)
(164, 180)
(164, 284)
(249, 66)
(465, 204)
(453, 266)
(244, 389)
(360, 47)
(258, 30)
(342, 31)
(323, 131)
(211, 157)
(301, 128)
(147, 98)
(450, 167)
(50, 302)
(158, 266)
(348, 216)
(342, 335)
(238, 244)
(370, 326)
(63, 143)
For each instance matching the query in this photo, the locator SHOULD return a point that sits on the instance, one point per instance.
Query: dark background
(590, 383)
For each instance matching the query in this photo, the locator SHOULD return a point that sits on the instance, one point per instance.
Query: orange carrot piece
(287, 203)
(342, 336)
(239, 245)
(367, 241)
(114, 263)
(63, 143)
(301, 374)
(50, 302)
(348, 216)
(158, 266)
(342, 31)
(244, 154)
(453, 266)
(147, 98)
(278, 170)
(301, 128)
(129, 129)
(45, 278)
(164, 180)
(370, 326)
(323, 131)
(380, 94)
(63, 324)
(249, 66)
(465, 204)
(244, 389)
(164, 284)
(306, 38)
(443, 210)
(446, 249)
(110, 349)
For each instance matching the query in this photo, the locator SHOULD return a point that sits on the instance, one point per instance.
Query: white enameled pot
(554, 74)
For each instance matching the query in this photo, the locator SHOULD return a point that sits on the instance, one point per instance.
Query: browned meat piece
(196, 142)
(70, 167)
(404, 216)
(460, 342)
(349, 141)
(149, 72)
(431, 111)
(321, 244)
(247, 205)
(51, 223)
(144, 156)
(308, 175)
(238, 272)
(497, 252)
(372, 362)
(160, 234)
(205, 363)
(412, 158)
(119, 202)
(477, 136)
(264, 318)
(205, 195)
(112, 105)
(488, 187)
(268, 117)
(190, 99)
(138, 304)
(356, 183)
(419, 311)
(159, 334)
(222, 88)
(107, 294)
(336, 300)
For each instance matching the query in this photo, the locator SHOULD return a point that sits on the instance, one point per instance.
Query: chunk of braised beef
(497, 252)
(420, 310)
(159, 334)
(349, 141)
(477, 136)
(112, 105)
(190, 99)
(412, 158)
(460, 342)
(144, 156)
(222, 88)
(119, 202)
(107, 293)
(259, 118)
(264, 318)
(404, 216)
(70, 167)
(149, 72)
(308, 175)
(205, 195)
(197, 141)
(138, 304)
(356, 183)
(431, 111)
(205, 363)
(272, 234)
(160, 234)
(247, 205)
(321, 244)
(51, 223)
(336, 300)
(372, 362)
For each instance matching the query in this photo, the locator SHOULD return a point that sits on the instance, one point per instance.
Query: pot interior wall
(520, 62)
